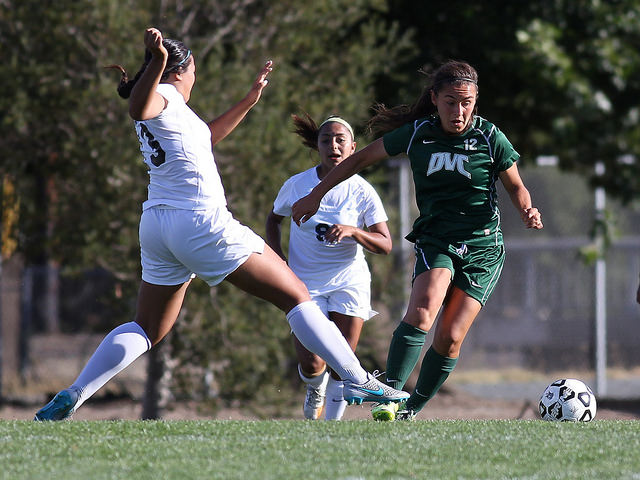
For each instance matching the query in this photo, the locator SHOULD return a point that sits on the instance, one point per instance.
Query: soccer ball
(567, 400)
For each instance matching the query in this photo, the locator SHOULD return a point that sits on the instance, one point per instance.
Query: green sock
(434, 371)
(404, 352)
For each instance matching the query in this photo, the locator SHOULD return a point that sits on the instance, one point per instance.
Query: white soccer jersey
(322, 266)
(176, 146)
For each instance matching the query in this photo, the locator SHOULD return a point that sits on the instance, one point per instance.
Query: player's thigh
(454, 323)
(158, 307)
(265, 275)
(427, 294)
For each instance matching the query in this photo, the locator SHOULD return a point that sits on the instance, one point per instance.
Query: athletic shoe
(61, 407)
(386, 412)
(372, 390)
(314, 401)
(404, 414)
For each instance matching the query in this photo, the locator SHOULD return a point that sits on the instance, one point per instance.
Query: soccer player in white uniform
(326, 252)
(186, 230)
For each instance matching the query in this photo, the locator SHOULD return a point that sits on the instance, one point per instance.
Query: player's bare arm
(273, 232)
(307, 206)
(224, 124)
(376, 239)
(145, 103)
(520, 197)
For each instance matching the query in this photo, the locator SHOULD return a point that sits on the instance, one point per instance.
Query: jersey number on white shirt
(321, 229)
(158, 158)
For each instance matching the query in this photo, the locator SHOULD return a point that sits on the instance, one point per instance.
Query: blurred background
(560, 78)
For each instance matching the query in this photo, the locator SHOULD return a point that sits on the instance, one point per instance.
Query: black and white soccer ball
(567, 400)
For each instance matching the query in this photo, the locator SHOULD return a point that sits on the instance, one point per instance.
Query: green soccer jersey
(455, 178)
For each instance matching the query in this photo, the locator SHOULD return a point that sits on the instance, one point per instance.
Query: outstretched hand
(532, 218)
(304, 209)
(258, 85)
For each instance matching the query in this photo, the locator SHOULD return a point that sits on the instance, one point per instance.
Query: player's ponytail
(125, 86)
(307, 129)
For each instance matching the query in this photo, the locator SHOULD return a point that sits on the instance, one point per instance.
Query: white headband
(337, 119)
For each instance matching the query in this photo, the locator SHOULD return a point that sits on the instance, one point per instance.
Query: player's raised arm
(145, 102)
(307, 206)
(224, 124)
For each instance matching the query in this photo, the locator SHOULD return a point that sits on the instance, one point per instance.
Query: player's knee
(289, 294)
(421, 318)
(313, 366)
(449, 342)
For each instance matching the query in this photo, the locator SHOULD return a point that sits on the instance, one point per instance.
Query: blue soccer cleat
(61, 407)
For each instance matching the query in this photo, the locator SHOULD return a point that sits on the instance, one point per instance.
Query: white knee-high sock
(335, 403)
(321, 336)
(118, 350)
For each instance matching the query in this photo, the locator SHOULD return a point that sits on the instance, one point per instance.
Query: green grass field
(319, 450)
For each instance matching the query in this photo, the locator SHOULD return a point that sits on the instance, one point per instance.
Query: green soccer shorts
(474, 270)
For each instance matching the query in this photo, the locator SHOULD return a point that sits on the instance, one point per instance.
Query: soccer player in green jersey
(456, 157)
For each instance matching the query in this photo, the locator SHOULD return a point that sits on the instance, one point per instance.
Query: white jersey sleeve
(285, 198)
(372, 209)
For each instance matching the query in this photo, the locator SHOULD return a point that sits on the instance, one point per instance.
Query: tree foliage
(559, 77)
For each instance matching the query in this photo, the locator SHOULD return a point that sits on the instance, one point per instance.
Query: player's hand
(304, 209)
(337, 232)
(153, 42)
(258, 85)
(531, 218)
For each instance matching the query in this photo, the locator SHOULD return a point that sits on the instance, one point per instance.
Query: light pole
(600, 290)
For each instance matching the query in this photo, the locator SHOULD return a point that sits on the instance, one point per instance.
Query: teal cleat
(61, 407)
(372, 390)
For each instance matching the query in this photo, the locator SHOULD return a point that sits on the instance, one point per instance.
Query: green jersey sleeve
(504, 153)
(397, 141)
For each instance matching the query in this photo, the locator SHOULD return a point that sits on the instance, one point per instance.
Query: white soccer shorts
(177, 244)
(353, 300)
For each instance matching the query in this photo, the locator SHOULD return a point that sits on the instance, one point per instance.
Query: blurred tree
(60, 121)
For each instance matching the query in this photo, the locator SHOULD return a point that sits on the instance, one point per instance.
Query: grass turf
(293, 449)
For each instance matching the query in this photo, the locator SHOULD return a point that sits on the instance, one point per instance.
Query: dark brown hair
(307, 128)
(386, 119)
(177, 62)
